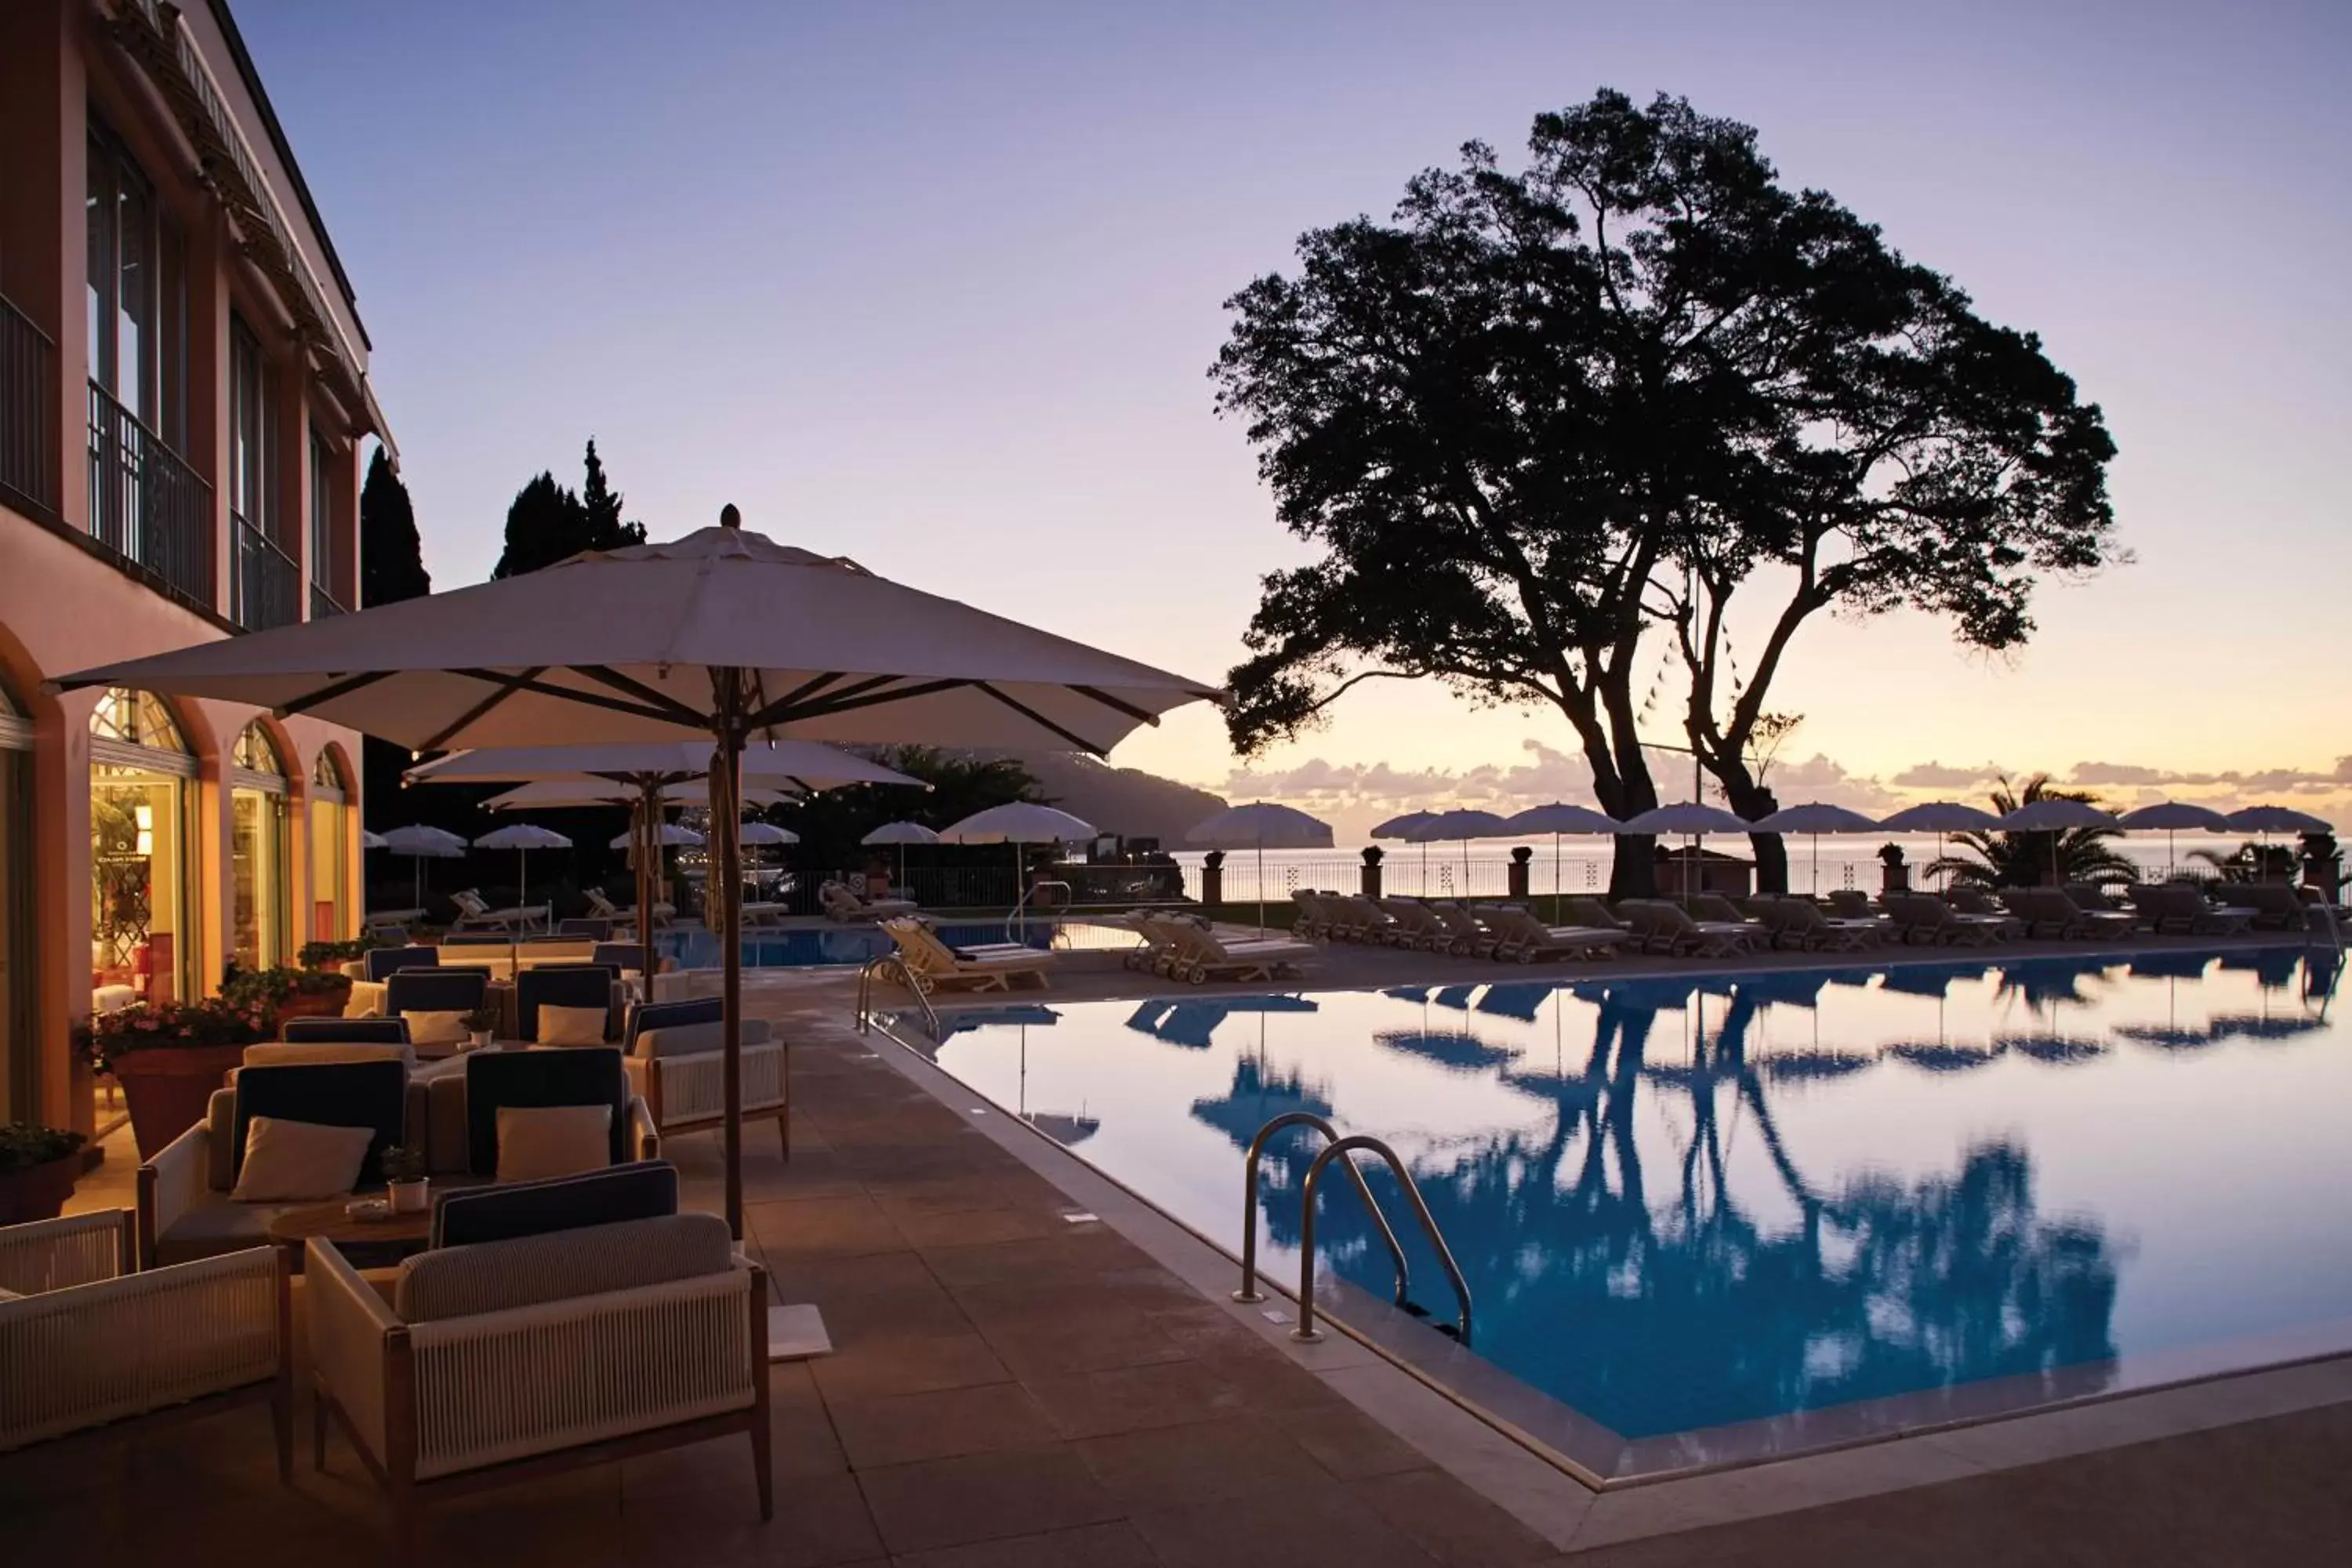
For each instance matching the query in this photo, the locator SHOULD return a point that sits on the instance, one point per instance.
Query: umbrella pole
(1261, 887)
(727, 760)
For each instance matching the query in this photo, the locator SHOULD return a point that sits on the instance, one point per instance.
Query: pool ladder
(1343, 1150)
(890, 966)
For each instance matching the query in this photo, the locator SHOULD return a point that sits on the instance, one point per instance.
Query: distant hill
(1126, 801)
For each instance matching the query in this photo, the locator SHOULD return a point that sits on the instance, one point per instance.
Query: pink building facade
(183, 401)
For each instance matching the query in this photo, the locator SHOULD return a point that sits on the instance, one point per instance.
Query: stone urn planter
(170, 1058)
(39, 1167)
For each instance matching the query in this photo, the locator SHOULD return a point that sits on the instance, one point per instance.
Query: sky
(938, 286)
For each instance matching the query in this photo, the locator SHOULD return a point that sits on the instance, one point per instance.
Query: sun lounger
(603, 908)
(1163, 940)
(843, 905)
(2048, 912)
(1593, 914)
(2276, 906)
(1925, 920)
(932, 964)
(1314, 918)
(1416, 925)
(1521, 938)
(1799, 925)
(1368, 923)
(1668, 929)
(1850, 904)
(1201, 955)
(1471, 938)
(2176, 909)
(474, 914)
(1969, 900)
(762, 913)
(1713, 909)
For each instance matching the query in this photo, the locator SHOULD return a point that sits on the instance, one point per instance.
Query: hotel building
(183, 398)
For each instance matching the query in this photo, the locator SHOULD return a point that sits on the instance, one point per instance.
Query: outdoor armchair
(88, 1340)
(677, 1063)
(566, 986)
(510, 1360)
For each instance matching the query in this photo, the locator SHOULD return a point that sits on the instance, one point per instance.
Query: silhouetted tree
(549, 523)
(392, 558)
(1544, 415)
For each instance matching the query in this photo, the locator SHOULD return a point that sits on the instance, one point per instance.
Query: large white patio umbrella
(1558, 817)
(370, 841)
(639, 773)
(1261, 825)
(1444, 827)
(767, 833)
(1942, 818)
(2276, 819)
(1401, 827)
(1016, 822)
(668, 835)
(522, 837)
(421, 844)
(2171, 816)
(1692, 818)
(1812, 819)
(900, 834)
(724, 636)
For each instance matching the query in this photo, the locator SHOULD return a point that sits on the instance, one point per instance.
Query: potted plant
(332, 956)
(291, 992)
(483, 1023)
(170, 1058)
(38, 1166)
(405, 1178)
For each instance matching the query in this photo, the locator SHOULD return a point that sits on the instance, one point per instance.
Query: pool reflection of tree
(1657, 1312)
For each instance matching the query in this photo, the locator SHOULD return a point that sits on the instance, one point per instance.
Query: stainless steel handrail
(1020, 905)
(1249, 1290)
(889, 966)
(1341, 1149)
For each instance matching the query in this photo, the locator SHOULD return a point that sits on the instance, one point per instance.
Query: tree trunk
(1633, 872)
(1752, 799)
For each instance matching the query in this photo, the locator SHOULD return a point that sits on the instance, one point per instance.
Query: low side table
(395, 1235)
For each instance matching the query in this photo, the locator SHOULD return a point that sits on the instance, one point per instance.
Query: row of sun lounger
(1711, 926)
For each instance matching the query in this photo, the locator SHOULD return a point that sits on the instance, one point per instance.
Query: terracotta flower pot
(166, 1087)
(38, 1192)
(316, 1003)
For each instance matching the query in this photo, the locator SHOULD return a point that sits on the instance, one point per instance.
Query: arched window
(260, 857)
(19, 1026)
(142, 944)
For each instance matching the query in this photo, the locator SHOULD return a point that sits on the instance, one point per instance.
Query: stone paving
(1011, 1389)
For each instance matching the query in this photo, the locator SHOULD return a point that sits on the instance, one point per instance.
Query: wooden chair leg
(403, 1527)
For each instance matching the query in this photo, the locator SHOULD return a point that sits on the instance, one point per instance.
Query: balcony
(323, 604)
(28, 426)
(147, 508)
(265, 586)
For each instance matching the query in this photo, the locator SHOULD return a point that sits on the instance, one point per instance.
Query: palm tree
(2250, 862)
(2003, 859)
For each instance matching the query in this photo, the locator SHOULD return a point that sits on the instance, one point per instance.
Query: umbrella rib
(825, 702)
(331, 690)
(606, 675)
(507, 686)
(1108, 700)
(806, 689)
(1040, 719)
(774, 711)
(670, 711)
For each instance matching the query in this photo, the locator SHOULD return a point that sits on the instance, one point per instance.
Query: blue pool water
(1685, 1204)
(695, 948)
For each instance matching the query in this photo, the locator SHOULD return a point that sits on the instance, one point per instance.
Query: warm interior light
(144, 815)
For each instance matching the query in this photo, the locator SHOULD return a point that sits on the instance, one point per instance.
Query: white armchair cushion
(693, 1039)
(573, 1026)
(436, 1027)
(280, 1053)
(553, 1141)
(492, 1277)
(292, 1161)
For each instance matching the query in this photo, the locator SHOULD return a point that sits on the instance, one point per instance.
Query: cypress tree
(392, 558)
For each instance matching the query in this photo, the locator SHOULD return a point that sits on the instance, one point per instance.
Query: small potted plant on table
(39, 1167)
(482, 1022)
(170, 1058)
(406, 1181)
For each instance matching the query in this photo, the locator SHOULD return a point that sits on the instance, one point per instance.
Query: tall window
(257, 851)
(138, 294)
(140, 804)
(19, 1030)
(329, 845)
(252, 495)
(322, 517)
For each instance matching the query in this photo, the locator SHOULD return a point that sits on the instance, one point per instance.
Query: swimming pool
(801, 947)
(1718, 1217)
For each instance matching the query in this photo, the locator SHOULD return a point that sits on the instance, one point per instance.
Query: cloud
(1818, 778)
(1936, 775)
(2242, 789)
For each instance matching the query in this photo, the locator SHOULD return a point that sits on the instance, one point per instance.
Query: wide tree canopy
(1547, 425)
(549, 523)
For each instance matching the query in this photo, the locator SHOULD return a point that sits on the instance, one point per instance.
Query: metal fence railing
(145, 504)
(29, 410)
(267, 588)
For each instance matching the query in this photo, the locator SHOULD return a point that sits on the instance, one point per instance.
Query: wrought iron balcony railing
(28, 411)
(266, 589)
(323, 604)
(146, 506)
